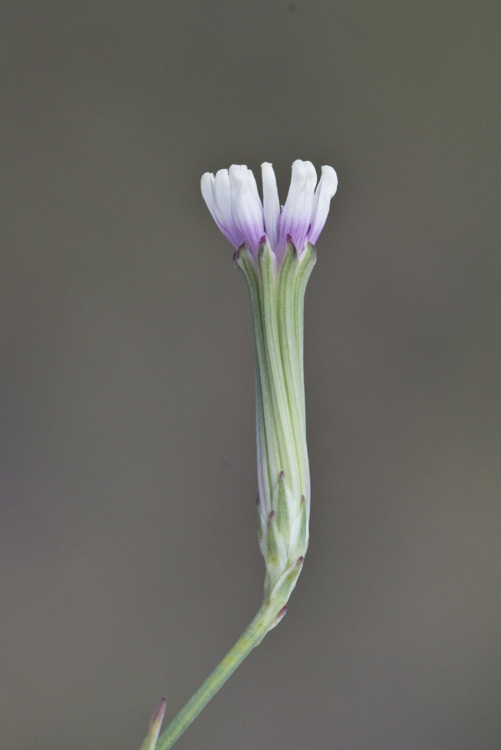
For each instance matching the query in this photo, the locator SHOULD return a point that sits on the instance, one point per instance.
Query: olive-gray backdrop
(129, 562)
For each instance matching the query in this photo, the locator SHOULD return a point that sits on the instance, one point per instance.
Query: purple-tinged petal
(233, 199)
(246, 207)
(271, 204)
(296, 214)
(215, 191)
(326, 188)
(222, 202)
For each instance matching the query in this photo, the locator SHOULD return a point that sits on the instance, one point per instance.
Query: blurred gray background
(129, 561)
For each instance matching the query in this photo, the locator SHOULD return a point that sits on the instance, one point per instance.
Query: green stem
(251, 638)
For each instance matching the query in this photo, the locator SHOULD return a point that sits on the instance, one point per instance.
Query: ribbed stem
(277, 299)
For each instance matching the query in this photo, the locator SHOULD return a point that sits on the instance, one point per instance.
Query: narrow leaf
(154, 728)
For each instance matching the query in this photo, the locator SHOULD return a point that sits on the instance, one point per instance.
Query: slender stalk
(251, 637)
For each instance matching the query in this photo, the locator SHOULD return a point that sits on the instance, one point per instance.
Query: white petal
(206, 185)
(271, 203)
(222, 196)
(216, 193)
(246, 207)
(326, 188)
(222, 207)
(253, 183)
(296, 214)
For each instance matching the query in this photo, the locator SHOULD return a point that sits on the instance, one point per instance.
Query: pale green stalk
(252, 637)
(277, 293)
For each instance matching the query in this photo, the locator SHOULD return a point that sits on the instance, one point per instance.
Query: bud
(275, 252)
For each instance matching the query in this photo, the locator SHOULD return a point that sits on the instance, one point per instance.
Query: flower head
(276, 254)
(233, 199)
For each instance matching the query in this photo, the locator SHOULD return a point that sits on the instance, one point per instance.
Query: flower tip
(330, 177)
(304, 171)
(206, 183)
(238, 174)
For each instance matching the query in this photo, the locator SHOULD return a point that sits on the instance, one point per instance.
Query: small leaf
(154, 728)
